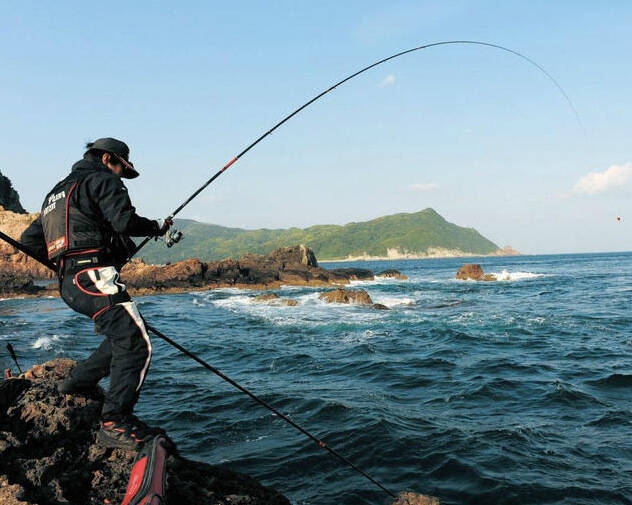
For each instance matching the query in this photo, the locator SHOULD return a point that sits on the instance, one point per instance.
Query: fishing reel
(173, 237)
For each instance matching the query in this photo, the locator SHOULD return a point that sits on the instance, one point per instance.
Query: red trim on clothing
(82, 252)
(102, 310)
(67, 224)
(85, 290)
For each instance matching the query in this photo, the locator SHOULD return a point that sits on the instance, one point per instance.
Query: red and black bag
(147, 482)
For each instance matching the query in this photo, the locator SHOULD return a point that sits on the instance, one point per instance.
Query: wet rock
(392, 274)
(353, 274)
(266, 297)
(352, 296)
(469, 271)
(48, 455)
(473, 272)
(379, 306)
(407, 498)
(274, 299)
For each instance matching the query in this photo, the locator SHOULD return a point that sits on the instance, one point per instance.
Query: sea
(512, 392)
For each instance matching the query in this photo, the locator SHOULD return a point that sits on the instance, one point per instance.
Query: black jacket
(102, 197)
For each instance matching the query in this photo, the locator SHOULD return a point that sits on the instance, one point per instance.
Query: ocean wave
(517, 276)
(45, 343)
(615, 380)
(377, 281)
(394, 301)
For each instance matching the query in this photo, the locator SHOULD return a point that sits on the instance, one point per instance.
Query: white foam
(45, 343)
(516, 276)
(377, 281)
(393, 301)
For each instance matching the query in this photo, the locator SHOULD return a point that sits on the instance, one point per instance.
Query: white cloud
(388, 80)
(600, 182)
(428, 186)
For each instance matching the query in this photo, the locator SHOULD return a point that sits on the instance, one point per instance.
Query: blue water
(514, 392)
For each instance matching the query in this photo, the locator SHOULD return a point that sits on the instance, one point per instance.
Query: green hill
(413, 233)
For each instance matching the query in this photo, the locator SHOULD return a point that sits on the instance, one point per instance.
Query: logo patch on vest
(52, 202)
(56, 244)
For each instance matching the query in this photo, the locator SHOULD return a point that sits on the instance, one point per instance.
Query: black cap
(118, 149)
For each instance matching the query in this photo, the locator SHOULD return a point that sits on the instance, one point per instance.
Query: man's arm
(33, 238)
(110, 194)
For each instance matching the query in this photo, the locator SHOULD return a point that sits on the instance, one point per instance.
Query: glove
(162, 226)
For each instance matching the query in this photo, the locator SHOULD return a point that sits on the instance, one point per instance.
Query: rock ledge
(48, 453)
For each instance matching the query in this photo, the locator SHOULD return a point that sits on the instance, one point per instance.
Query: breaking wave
(516, 276)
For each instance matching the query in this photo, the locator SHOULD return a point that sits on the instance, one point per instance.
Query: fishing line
(348, 78)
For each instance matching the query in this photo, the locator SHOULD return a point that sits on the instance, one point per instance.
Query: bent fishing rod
(348, 78)
(223, 376)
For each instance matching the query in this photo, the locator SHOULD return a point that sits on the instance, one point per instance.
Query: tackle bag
(147, 481)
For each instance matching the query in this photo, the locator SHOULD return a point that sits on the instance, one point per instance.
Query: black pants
(125, 353)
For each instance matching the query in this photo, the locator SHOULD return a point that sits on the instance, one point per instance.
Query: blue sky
(477, 134)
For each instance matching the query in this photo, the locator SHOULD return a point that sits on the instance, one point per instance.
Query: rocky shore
(48, 453)
(297, 266)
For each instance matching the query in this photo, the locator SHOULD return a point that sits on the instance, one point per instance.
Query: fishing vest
(66, 228)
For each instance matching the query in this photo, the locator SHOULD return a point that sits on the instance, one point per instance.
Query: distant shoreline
(433, 253)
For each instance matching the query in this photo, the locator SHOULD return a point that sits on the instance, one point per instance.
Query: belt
(85, 260)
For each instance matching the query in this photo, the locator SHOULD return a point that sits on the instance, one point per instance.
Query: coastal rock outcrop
(352, 296)
(9, 198)
(295, 265)
(48, 453)
(471, 271)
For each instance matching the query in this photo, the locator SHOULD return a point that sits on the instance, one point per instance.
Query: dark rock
(9, 198)
(392, 273)
(354, 274)
(12, 284)
(379, 306)
(353, 296)
(48, 455)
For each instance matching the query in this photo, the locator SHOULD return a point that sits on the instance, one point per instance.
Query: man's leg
(86, 375)
(131, 354)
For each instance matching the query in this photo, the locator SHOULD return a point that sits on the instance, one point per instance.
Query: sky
(478, 134)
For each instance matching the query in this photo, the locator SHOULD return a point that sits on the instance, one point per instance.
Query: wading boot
(116, 434)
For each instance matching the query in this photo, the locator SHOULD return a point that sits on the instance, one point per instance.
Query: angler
(84, 229)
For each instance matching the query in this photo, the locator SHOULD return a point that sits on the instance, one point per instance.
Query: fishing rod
(348, 78)
(44, 261)
(13, 356)
(217, 372)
